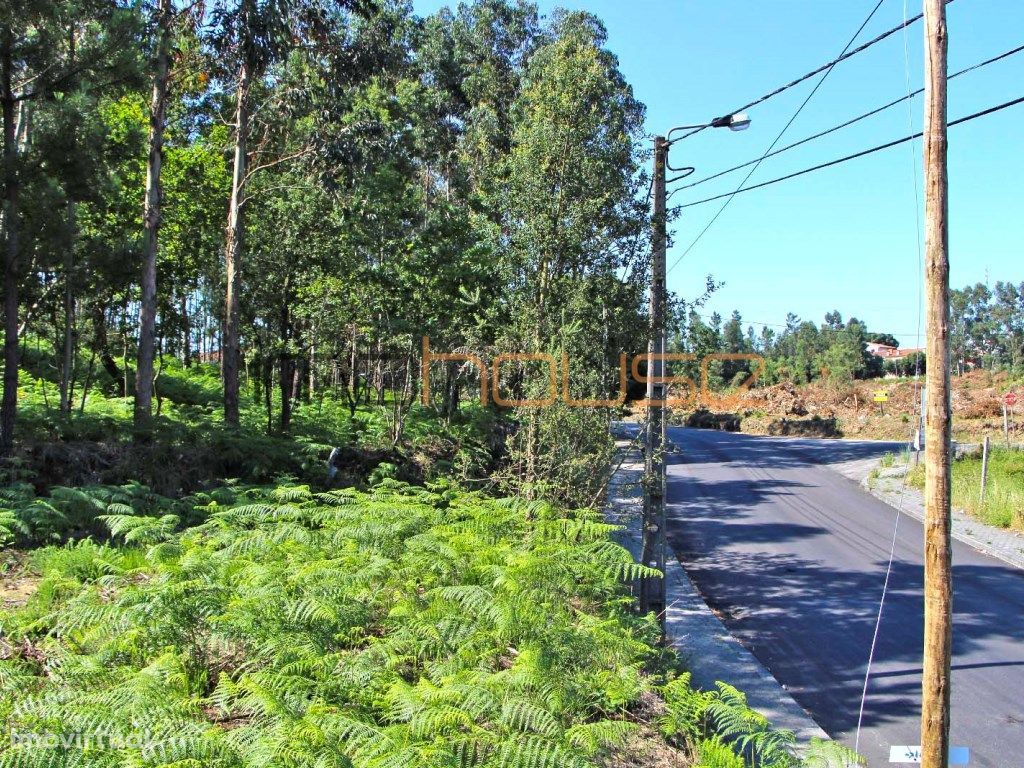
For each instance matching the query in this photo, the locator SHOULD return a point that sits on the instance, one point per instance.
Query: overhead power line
(855, 155)
(827, 71)
(842, 57)
(848, 123)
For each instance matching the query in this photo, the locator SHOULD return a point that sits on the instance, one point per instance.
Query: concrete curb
(1004, 545)
(707, 648)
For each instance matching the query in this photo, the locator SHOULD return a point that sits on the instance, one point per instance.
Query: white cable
(878, 619)
(917, 397)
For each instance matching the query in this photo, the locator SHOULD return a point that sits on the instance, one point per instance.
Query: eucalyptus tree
(196, 182)
(475, 58)
(46, 48)
(162, 17)
(571, 202)
(66, 171)
(253, 36)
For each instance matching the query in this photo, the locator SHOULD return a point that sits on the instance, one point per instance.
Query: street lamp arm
(670, 140)
(736, 122)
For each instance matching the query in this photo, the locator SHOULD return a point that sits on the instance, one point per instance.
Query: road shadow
(806, 604)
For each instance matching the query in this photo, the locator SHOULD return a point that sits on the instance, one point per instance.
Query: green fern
(825, 753)
(401, 627)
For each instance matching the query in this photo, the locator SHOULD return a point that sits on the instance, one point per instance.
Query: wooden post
(1006, 424)
(984, 466)
(652, 590)
(938, 592)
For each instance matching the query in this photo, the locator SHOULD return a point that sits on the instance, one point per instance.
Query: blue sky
(844, 238)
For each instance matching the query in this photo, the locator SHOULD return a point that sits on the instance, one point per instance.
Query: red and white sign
(1010, 399)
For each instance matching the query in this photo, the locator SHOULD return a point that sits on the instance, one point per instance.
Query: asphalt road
(792, 556)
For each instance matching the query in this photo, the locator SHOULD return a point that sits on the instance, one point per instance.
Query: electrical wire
(827, 69)
(848, 123)
(855, 155)
(917, 397)
(842, 57)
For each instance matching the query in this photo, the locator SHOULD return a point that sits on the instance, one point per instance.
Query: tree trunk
(156, 377)
(268, 391)
(298, 377)
(186, 333)
(88, 380)
(353, 366)
(378, 375)
(151, 223)
(102, 345)
(68, 357)
(125, 386)
(311, 369)
(234, 250)
(285, 361)
(257, 380)
(12, 224)
(285, 384)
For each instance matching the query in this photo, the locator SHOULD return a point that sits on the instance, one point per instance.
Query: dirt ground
(16, 583)
(826, 410)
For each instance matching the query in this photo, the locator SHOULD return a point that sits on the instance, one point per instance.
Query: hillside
(825, 409)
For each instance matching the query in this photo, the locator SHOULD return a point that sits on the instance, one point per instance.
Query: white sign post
(912, 755)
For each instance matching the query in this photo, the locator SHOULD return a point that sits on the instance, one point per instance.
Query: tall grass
(1003, 506)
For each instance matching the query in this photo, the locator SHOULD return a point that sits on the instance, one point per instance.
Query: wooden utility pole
(652, 590)
(938, 588)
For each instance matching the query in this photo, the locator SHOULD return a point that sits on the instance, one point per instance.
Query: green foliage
(573, 447)
(130, 510)
(729, 734)
(988, 326)
(189, 449)
(801, 353)
(404, 626)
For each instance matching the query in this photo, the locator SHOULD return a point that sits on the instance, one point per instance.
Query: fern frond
(592, 738)
(825, 753)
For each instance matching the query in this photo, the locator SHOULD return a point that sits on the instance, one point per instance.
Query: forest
(233, 530)
(302, 192)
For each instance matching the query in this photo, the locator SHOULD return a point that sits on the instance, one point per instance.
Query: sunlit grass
(1003, 505)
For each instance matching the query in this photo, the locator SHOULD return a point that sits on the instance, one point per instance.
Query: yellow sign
(881, 396)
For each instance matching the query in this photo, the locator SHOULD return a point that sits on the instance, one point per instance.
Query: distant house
(887, 352)
(881, 350)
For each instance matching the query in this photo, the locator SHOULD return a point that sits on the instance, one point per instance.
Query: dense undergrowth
(189, 448)
(209, 598)
(404, 626)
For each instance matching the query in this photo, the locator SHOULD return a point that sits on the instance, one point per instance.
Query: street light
(736, 122)
(653, 543)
